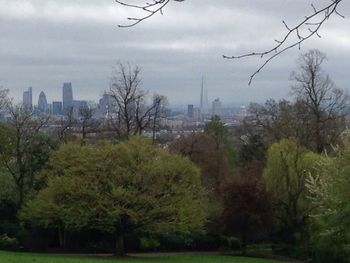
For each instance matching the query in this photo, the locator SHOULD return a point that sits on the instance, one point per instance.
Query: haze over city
(47, 42)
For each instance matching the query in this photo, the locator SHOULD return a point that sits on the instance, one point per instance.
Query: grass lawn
(9, 257)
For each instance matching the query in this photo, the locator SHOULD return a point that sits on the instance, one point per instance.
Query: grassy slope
(7, 257)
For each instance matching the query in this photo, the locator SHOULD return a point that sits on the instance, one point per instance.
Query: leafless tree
(125, 91)
(86, 121)
(134, 114)
(276, 120)
(65, 126)
(327, 103)
(308, 27)
(3, 97)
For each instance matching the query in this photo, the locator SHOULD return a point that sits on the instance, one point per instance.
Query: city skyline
(199, 103)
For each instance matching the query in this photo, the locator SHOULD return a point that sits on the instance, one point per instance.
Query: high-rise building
(28, 99)
(107, 105)
(57, 108)
(204, 105)
(216, 110)
(197, 115)
(68, 102)
(190, 111)
(79, 106)
(42, 103)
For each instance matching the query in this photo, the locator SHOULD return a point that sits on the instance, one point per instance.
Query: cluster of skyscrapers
(68, 105)
(107, 105)
(57, 107)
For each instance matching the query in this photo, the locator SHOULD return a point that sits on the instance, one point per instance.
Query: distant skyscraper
(204, 105)
(68, 101)
(190, 112)
(28, 99)
(57, 108)
(197, 116)
(42, 103)
(79, 106)
(216, 107)
(107, 105)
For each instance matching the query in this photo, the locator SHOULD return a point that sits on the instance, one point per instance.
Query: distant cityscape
(107, 105)
(173, 122)
(59, 108)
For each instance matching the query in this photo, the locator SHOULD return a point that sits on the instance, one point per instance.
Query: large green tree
(213, 152)
(287, 169)
(129, 187)
(329, 191)
(24, 150)
(327, 105)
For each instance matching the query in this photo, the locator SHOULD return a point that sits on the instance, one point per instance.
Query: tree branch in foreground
(150, 8)
(303, 31)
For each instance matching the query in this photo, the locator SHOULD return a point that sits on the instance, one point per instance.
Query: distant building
(42, 103)
(68, 102)
(190, 111)
(204, 105)
(57, 108)
(78, 106)
(28, 99)
(217, 106)
(107, 105)
(197, 115)
(172, 123)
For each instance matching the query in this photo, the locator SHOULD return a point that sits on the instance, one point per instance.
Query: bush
(230, 243)
(7, 242)
(149, 244)
(331, 253)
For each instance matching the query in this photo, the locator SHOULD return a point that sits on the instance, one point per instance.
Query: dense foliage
(329, 191)
(128, 187)
(288, 166)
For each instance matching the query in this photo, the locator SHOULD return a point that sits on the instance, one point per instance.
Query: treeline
(280, 178)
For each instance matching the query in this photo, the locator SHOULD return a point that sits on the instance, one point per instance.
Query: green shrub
(7, 242)
(149, 244)
(331, 253)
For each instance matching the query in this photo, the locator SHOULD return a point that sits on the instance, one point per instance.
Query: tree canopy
(329, 193)
(287, 169)
(123, 188)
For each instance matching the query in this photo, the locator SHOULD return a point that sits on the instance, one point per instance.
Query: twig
(312, 29)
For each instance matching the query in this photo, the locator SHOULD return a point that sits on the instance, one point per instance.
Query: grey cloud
(47, 42)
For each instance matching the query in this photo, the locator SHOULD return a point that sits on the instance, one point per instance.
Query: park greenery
(278, 180)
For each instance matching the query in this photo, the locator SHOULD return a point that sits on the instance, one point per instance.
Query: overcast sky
(44, 43)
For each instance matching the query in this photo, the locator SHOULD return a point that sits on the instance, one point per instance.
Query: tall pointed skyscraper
(204, 104)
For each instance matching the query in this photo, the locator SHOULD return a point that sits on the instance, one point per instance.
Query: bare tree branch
(150, 8)
(303, 31)
(308, 26)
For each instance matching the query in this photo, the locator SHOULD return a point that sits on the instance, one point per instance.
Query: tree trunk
(244, 240)
(119, 245)
(62, 237)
